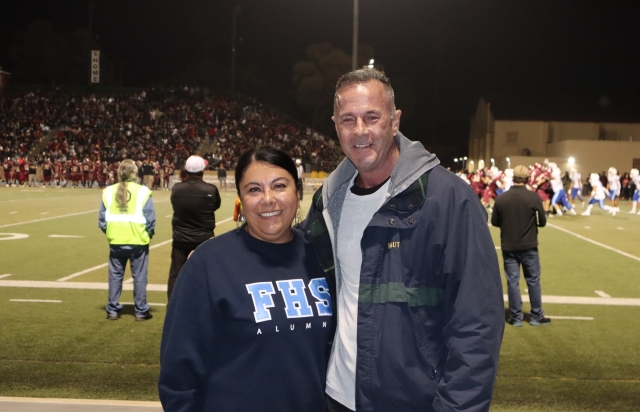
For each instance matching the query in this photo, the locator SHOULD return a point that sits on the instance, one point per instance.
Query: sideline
(594, 242)
(49, 218)
(154, 287)
(11, 404)
(74, 275)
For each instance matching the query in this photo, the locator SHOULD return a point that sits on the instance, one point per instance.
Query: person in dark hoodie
(251, 314)
(194, 204)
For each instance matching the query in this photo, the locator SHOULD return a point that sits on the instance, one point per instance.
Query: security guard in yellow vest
(128, 219)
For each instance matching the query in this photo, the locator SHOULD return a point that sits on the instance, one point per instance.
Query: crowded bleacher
(159, 124)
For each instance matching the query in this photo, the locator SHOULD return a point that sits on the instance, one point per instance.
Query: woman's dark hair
(269, 155)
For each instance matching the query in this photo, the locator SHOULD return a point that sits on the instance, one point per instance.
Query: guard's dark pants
(178, 259)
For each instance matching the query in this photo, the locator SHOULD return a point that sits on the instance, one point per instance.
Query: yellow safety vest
(126, 227)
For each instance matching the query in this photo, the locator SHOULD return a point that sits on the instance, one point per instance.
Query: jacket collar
(413, 162)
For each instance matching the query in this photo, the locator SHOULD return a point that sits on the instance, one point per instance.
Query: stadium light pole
(236, 11)
(354, 56)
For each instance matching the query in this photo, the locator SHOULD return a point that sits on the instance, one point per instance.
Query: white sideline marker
(629, 255)
(620, 228)
(498, 247)
(168, 215)
(571, 317)
(50, 218)
(35, 300)
(12, 213)
(602, 294)
(6, 275)
(150, 304)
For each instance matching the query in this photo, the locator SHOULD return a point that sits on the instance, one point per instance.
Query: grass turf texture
(70, 350)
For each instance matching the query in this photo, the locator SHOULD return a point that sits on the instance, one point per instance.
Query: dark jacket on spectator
(518, 212)
(194, 202)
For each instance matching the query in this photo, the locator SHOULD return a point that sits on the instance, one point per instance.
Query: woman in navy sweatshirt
(251, 314)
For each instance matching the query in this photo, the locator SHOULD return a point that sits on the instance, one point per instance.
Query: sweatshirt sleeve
(188, 340)
(474, 312)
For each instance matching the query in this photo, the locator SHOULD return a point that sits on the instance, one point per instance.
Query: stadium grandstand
(159, 124)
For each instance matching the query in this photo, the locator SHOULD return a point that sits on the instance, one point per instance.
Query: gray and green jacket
(430, 310)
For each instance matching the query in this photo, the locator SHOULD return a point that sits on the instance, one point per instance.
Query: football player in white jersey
(613, 186)
(598, 194)
(559, 195)
(575, 188)
(634, 174)
(507, 181)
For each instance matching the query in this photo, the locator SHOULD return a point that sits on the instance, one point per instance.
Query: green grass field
(587, 360)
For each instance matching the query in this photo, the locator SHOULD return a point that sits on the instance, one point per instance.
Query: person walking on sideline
(518, 213)
(128, 219)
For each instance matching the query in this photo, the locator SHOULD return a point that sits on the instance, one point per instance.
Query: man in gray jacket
(419, 297)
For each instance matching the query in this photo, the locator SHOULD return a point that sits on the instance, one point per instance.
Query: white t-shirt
(356, 214)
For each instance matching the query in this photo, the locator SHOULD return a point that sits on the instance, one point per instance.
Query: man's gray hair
(362, 76)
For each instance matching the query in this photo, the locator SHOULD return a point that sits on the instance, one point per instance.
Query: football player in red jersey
(22, 172)
(7, 167)
(87, 166)
(76, 173)
(168, 172)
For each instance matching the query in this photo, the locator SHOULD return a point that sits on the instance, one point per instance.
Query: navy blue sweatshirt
(247, 329)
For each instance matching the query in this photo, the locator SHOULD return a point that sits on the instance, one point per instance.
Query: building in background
(595, 132)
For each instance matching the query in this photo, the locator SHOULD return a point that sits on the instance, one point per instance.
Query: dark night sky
(521, 47)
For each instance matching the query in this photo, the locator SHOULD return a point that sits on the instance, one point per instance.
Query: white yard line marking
(130, 280)
(12, 213)
(49, 218)
(620, 228)
(75, 285)
(82, 272)
(6, 275)
(150, 304)
(596, 243)
(566, 300)
(587, 227)
(498, 247)
(35, 300)
(168, 215)
(571, 317)
(13, 236)
(48, 198)
(601, 294)
(61, 216)
(65, 236)
(44, 213)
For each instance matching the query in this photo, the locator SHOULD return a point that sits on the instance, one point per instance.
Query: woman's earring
(240, 221)
(298, 217)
